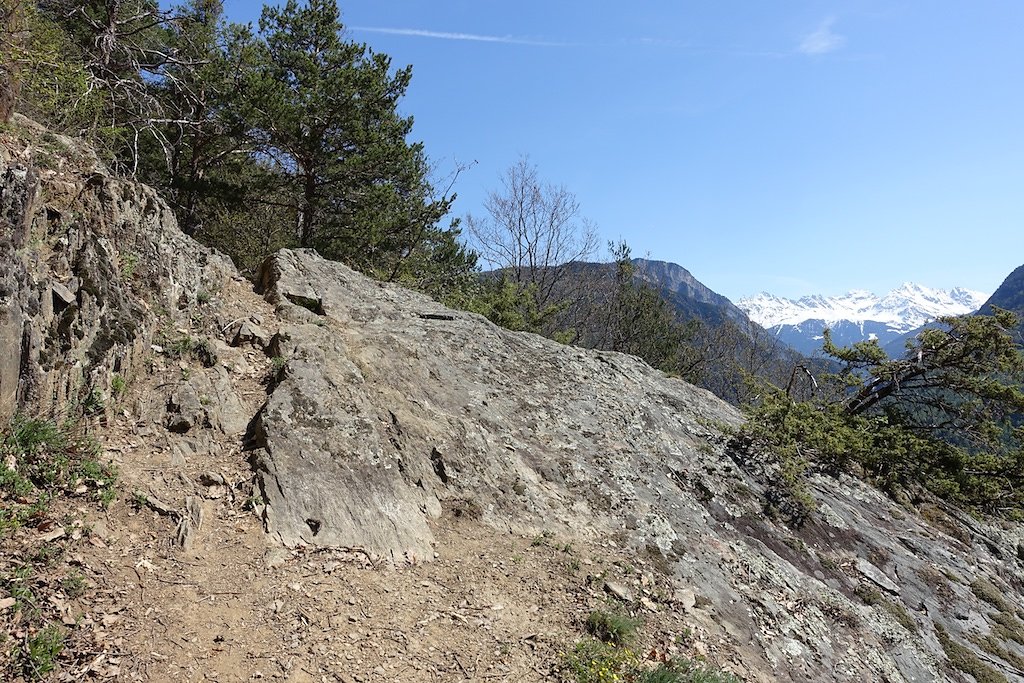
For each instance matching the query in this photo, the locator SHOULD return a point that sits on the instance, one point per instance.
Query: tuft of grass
(1008, 627)
(870, 595)
(612, 628)
(48, 460)
(129, 263)
(39, 657)
(984, 590)
(543, 538)
(962, 659)
(992, 645)
(186, 346)
(73, 584)
(94, 403)
(118, 385)
(592, 661)
(686, 671)
(275, 373)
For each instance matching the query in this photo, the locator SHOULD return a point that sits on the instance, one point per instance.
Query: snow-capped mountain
(857, 315)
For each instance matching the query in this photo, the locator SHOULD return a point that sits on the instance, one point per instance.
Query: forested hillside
(1009, 296)
(282, 134)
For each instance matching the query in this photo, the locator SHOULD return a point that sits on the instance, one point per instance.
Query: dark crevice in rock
(313, 305)
(437, 461)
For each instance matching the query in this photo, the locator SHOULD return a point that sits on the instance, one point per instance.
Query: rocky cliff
(330, 478)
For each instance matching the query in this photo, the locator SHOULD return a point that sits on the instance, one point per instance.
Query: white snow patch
(904, 308)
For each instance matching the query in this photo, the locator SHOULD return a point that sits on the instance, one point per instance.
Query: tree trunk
(308, 224)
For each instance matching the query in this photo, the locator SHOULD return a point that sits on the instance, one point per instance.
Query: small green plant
(543, 538)
(118, 385)
(94, 403)
(180, 347)
(106, 496)
(47, 555)
(185, 346)
(612, 628)
(41, 652)
(18, 585)
(129, 263)
(203, 296)
(252, 503)
(48, 460)
(73, 584)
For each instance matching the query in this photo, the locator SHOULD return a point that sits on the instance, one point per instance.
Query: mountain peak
(908, 306)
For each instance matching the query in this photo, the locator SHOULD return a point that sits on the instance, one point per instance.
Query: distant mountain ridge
(688, 294)
(1010, 294)
(858, 315)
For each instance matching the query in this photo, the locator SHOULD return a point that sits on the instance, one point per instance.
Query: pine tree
(324, 111)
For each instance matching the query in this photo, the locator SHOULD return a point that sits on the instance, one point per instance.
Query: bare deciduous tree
(533, 232)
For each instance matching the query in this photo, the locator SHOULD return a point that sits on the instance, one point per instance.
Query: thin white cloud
(823, 39)
(446, 35)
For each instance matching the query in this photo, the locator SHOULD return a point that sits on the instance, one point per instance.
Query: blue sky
(794, 147)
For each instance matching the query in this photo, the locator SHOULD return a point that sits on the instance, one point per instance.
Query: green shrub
(593, 661)
(941, 418)
(41, 651)
(612, 628)
(49, 460)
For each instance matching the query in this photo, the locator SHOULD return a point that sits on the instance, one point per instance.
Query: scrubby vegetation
(608, 656)
(593, 661)
(41, 465)
(943, 420)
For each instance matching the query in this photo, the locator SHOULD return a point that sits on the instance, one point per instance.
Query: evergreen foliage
(288, 135)
(945, 418)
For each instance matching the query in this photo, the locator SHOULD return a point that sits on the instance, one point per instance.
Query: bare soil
(232, 607)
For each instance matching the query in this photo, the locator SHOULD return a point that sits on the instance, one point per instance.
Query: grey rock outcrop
(391, 408)
(391, 405)
(89, 263)
(387, 409)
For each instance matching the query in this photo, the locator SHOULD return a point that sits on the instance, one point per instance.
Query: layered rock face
(390, 405)
(87, 261)
(387, 409)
